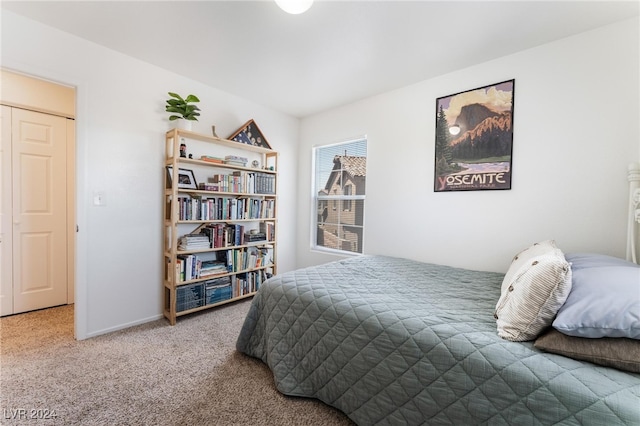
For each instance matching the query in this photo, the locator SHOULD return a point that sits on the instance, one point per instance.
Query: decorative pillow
(524, 257)
(604, 300)
(623, 354)
(535, 286)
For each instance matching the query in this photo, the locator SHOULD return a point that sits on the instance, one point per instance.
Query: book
(211, 159)
(233, 208)
(235, 163)
(207, 186)
(239, 234)
(252, 258)
(236, 158)
(179, 270)
(268, 229)
(187, 262)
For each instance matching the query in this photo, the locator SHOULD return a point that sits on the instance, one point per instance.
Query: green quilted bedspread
(394, 341)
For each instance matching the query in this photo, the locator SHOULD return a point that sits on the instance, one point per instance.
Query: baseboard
(123, 326)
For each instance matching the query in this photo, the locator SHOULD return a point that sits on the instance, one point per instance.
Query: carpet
(152, 374)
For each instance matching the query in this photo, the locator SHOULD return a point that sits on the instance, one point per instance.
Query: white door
(39, 216)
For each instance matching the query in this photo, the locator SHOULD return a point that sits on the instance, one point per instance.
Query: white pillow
(524, 257)
(534, 288)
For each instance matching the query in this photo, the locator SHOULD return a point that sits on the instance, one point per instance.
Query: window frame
(334, 201)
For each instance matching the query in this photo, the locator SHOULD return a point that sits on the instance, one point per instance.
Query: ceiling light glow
(294, 7)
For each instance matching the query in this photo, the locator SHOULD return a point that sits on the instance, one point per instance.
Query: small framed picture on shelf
(186, 178)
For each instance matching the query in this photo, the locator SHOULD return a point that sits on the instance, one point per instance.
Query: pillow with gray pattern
(536, 285)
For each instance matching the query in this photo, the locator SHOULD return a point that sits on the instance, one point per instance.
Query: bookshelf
(219, 221)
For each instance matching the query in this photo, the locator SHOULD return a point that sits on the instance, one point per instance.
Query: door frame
(78, 157)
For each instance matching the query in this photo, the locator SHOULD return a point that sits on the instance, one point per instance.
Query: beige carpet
(153, 374)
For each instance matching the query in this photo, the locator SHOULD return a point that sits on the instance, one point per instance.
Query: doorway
(37, 223)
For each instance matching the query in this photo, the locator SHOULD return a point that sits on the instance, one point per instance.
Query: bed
(394, 341)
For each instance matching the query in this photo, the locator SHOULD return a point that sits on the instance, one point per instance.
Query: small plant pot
(182, 124)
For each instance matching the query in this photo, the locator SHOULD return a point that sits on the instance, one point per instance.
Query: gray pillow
(623, 354)
(604, 300)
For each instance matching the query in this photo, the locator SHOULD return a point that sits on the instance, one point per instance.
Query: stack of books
(235, 160)
(217, 290)
(212, 267)
(194, 242)
(252, 237)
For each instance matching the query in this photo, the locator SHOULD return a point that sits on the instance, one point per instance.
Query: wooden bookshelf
(220, 221)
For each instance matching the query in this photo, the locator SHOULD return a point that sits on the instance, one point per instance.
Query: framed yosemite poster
(474, 139)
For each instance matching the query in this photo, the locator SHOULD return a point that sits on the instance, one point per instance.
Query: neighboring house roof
(354, 166)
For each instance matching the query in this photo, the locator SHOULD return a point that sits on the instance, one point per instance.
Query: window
(346, 204)
(339, 180)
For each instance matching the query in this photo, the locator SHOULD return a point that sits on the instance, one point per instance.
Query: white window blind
(339, 193)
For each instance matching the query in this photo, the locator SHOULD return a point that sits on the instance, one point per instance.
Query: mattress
(395, 341)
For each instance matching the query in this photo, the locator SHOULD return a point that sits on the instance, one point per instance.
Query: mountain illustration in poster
(474, 139)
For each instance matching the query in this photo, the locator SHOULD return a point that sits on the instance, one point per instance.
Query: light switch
(99, 198)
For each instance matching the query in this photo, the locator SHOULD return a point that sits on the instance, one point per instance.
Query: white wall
(120, 137)
(575, 126)
(575, 130)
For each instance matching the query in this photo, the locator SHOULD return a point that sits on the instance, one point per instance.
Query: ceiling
(335, 53)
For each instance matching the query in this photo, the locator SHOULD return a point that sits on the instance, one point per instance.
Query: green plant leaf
(175, 95)
(181, 106)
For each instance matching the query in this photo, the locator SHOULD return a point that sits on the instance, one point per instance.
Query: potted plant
(183, 108)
